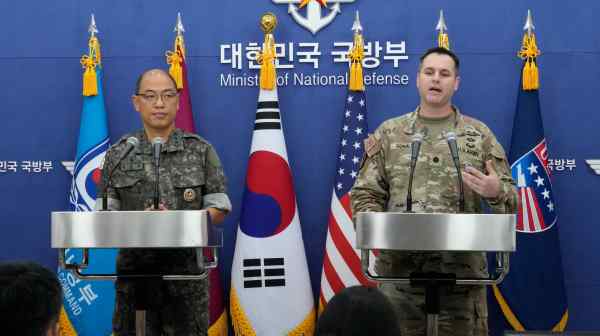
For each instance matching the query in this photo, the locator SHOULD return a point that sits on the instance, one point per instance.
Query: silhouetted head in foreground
(358, 311)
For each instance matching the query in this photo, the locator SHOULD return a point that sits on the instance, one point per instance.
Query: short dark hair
(358, 311)
(30, 298)
(138, 83)
(441, 51)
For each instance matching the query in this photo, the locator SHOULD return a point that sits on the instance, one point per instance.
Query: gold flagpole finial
(91, 60)
(268, 22)
(529, 53)
(356, 57)
(443, 41)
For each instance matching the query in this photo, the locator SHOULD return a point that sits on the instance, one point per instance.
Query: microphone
(157, 144)
(132, 143)
(415, 148)
(451, 138)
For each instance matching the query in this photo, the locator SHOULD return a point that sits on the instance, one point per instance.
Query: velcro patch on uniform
(372, 145)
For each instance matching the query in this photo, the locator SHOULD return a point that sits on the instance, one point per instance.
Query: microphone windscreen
(133, 141)
(450, 136)
(158, 141)
(417, 137)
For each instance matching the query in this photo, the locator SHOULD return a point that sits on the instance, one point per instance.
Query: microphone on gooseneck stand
(414, 155)
(451, 138)
(132, 143)
(157, 144)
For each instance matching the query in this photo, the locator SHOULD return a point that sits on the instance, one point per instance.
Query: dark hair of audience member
(358, 311)
(30, 299)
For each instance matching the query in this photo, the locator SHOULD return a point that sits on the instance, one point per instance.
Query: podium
(135, 229)
(437, 232)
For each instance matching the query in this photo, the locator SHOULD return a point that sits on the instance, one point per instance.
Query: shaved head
(152, 72)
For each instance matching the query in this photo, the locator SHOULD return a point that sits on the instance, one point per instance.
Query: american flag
(341, 262)
(537, 210)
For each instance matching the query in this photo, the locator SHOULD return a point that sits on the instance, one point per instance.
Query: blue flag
(533, 297)
(88, 305)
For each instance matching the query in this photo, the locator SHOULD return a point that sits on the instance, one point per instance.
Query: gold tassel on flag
(267, 57)
(529, 52)
(65, 325)
(356, 57)
(239, 319)
(89, 63)
(174, 59)
(443, 40)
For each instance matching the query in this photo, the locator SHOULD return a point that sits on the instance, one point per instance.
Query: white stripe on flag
(347, 228)
(339, 264)
(524, 211)
(325, 288)
(344, 222)
(267, 109)
(534, 213)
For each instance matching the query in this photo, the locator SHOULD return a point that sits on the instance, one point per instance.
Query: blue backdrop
(41, 95)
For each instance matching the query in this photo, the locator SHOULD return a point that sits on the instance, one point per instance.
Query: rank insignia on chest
(189, 195)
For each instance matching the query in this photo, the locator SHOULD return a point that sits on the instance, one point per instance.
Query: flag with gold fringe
(533, 297)
(88, 305)
(176, 58)
(270, 287)
(341, 261)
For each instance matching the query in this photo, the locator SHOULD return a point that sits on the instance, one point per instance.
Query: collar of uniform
(412, 120)
(459, 124)
(174, 142)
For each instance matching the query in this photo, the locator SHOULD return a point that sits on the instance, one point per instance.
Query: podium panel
(135, 229)
(436, 232)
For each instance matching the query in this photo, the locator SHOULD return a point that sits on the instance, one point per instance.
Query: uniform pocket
(189, 186)
(129, 190)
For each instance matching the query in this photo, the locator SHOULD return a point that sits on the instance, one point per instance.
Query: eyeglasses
(152, 97)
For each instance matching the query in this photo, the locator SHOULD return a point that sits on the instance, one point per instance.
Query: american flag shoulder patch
(372, 145)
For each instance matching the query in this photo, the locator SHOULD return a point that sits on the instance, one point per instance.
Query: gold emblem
(268, 22)
(189, 195)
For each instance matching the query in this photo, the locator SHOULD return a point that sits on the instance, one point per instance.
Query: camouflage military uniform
(188, 164)
(382, 186)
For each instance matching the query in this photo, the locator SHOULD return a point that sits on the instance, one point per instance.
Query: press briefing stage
(288, 92)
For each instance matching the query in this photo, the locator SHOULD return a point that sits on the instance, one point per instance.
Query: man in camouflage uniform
(382, 185)
(191, 178)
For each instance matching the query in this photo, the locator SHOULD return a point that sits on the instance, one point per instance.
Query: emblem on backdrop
(319, 13)
(595, 165)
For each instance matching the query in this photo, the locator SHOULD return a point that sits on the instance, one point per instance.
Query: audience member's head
(358, 311)
(30, 300)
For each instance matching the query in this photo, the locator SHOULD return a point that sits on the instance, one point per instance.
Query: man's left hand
(488, 185)
(216, 216)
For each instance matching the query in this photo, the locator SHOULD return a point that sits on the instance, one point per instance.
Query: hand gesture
(486, 185)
